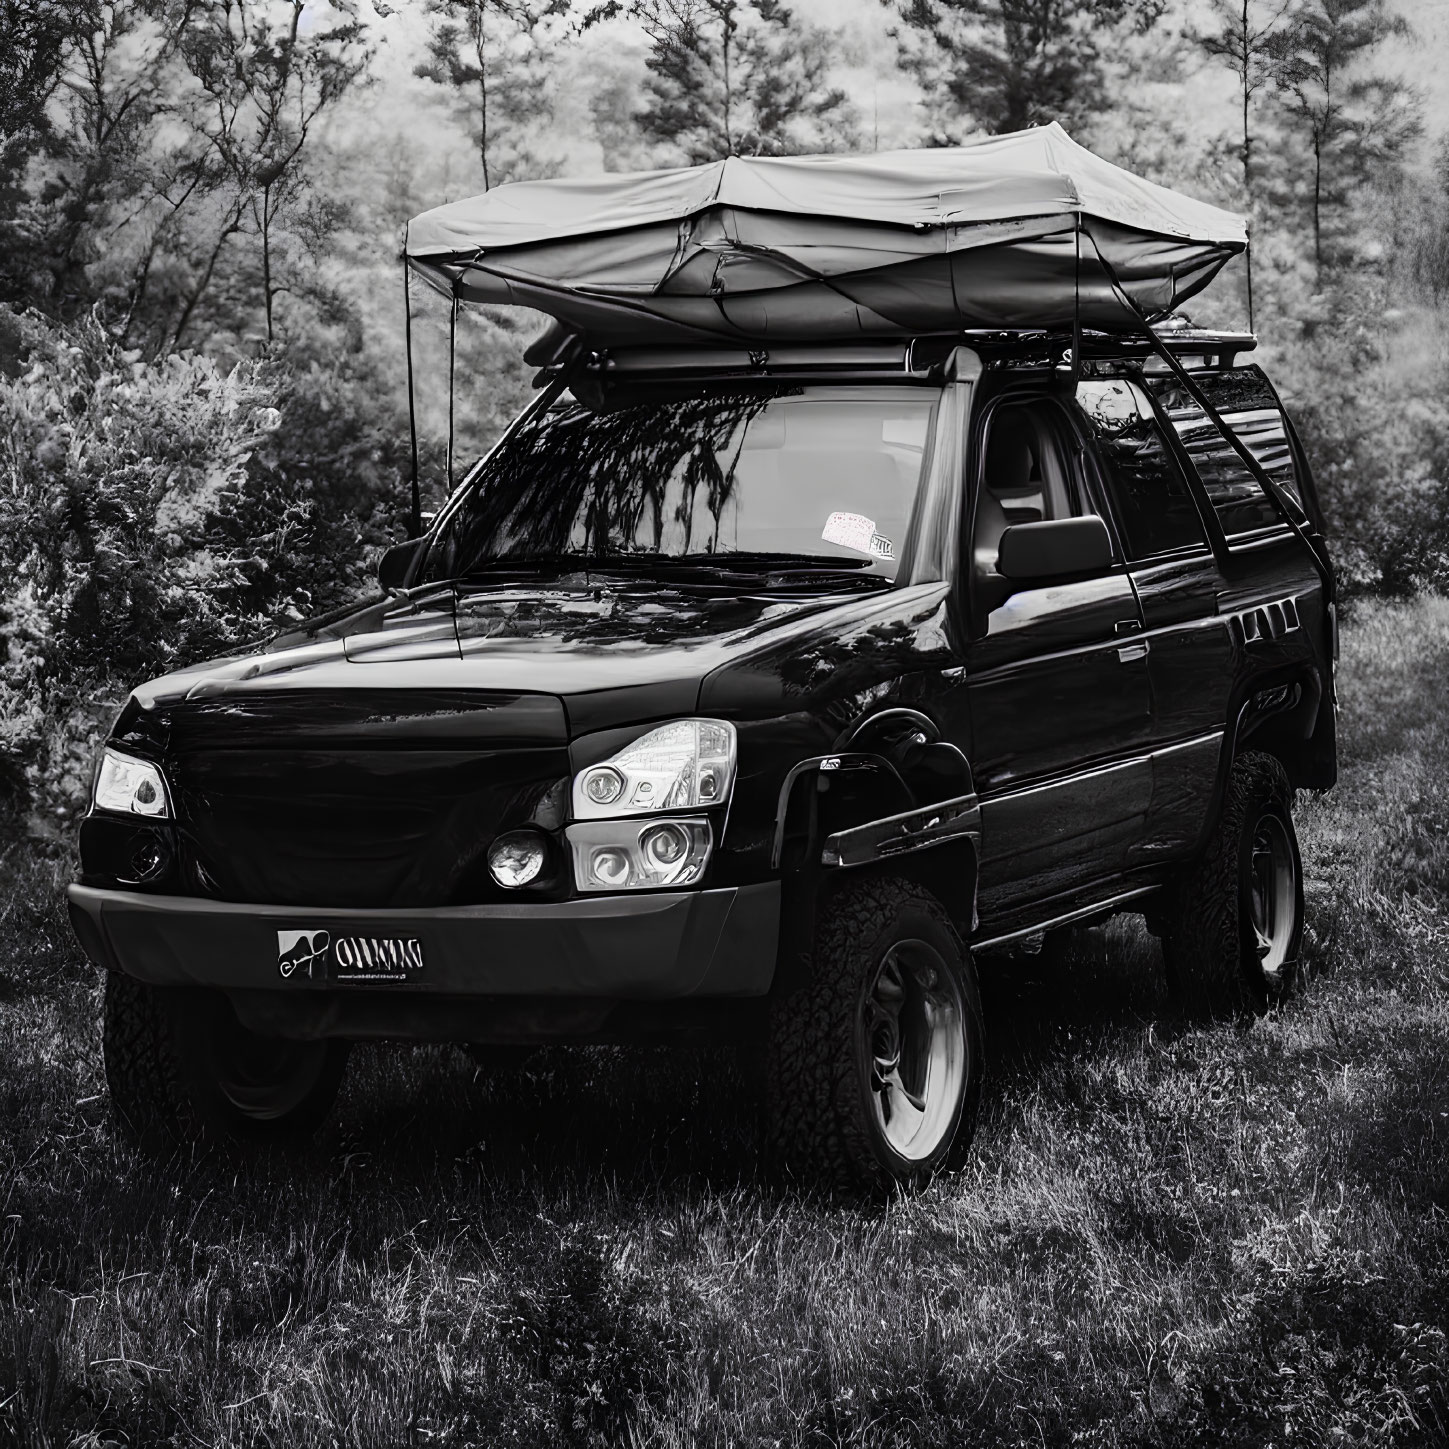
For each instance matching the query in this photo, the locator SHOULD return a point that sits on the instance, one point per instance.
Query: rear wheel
(1234, 922)
(182, 1069)
(874, 1068)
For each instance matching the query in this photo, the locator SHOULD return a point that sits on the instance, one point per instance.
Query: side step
(1081, 913)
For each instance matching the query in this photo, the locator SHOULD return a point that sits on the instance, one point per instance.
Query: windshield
(805, 477)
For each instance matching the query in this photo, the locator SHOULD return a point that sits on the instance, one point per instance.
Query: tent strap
(415, 523)
(1270, 485)
(452, 366)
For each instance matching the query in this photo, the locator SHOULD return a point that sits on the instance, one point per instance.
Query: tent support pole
(1077, 302)
(415, 522)
(1270, 485)
(452, 364)
(1248, 260)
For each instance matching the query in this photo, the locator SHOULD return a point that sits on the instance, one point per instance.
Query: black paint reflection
(739, 475)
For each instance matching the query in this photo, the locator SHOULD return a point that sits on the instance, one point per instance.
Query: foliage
(736, 78)
(1346, 123)
(32, 35)
(494, 54)
(170, 184)
(153, 513)
(1010, 64)
(264, 83)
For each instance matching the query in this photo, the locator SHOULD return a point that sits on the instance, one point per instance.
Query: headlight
(627, 855)
(680, 766)
(130, 786)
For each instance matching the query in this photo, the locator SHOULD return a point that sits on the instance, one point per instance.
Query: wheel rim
(1273, 894)
(914, 1047)
(264, 1078)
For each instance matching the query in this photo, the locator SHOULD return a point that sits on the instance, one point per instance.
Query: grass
(1165, 1236)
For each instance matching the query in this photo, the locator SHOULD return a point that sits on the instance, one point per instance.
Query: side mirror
(396, 562)
(1056, 548)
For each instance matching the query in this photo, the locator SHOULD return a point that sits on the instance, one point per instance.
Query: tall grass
(1165, 1236)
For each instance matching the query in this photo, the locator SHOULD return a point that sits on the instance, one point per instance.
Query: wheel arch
(911, 814)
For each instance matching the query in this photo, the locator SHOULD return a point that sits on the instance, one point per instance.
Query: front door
(1058, 691)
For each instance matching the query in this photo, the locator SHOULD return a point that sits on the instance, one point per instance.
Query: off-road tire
(1209, 947)
(161, 1055)
(818, 1122)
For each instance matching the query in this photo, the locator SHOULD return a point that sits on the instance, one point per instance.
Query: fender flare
(934, 842)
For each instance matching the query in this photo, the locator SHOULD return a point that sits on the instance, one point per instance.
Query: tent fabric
(831, 247)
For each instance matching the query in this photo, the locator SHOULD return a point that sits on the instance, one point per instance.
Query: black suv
(744, 693)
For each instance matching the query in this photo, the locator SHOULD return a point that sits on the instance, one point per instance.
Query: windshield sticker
(850, 530)
(881, 546)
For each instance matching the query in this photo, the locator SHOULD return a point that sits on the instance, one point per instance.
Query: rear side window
(1150, 496)
(1248, 407)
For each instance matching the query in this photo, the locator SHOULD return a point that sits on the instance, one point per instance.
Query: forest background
(203, 404)
(1166, 1237)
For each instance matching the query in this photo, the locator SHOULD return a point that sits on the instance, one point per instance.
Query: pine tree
(1353, 124)
(1246, 37)
(1010, 64)
(736, 78)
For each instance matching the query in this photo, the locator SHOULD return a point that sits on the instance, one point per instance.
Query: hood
(611, 652)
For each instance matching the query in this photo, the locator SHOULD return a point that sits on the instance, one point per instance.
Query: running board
(1097, 908)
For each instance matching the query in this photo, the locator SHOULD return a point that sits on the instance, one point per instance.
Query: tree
(1010, 64)
(493, 54)
(32, 45)
(265, 82)
(736, 78)
(1354, 124)
(95, 123)
(1247, 40)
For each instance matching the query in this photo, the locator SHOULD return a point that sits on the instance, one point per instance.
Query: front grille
(330, 816)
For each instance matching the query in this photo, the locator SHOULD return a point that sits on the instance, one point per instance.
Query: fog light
(517, 858)
(146, 860)
(664, 845)
(610, 867)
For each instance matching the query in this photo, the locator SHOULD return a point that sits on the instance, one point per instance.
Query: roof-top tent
(1023, 230)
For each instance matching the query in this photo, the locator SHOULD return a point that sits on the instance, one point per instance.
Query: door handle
(1131, 653)
(1127, 626)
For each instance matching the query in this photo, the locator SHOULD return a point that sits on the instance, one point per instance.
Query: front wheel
(183, 1070)
(1234, 922)
(874, 1068)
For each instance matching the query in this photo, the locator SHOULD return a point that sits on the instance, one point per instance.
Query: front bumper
(659, 946)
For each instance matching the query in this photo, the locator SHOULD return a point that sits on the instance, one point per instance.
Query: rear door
(1178, 577)
(1059, 699)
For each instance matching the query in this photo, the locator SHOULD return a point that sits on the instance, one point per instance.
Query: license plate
(326, 955)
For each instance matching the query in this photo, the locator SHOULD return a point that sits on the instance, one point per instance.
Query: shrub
(156, 512)
(1367, 391)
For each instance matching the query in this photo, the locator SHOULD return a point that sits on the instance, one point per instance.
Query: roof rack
(922, 358)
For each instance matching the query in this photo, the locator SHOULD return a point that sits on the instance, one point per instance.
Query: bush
(1367, 390)
(157, 512)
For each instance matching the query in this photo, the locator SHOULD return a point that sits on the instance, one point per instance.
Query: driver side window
(1026, 477)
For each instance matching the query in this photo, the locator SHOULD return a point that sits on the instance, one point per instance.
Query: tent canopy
(1003, 233)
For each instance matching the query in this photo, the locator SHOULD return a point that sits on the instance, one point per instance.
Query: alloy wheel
(1273, 897)
(913, 1040)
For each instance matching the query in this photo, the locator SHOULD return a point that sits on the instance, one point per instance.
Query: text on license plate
(325, 955)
